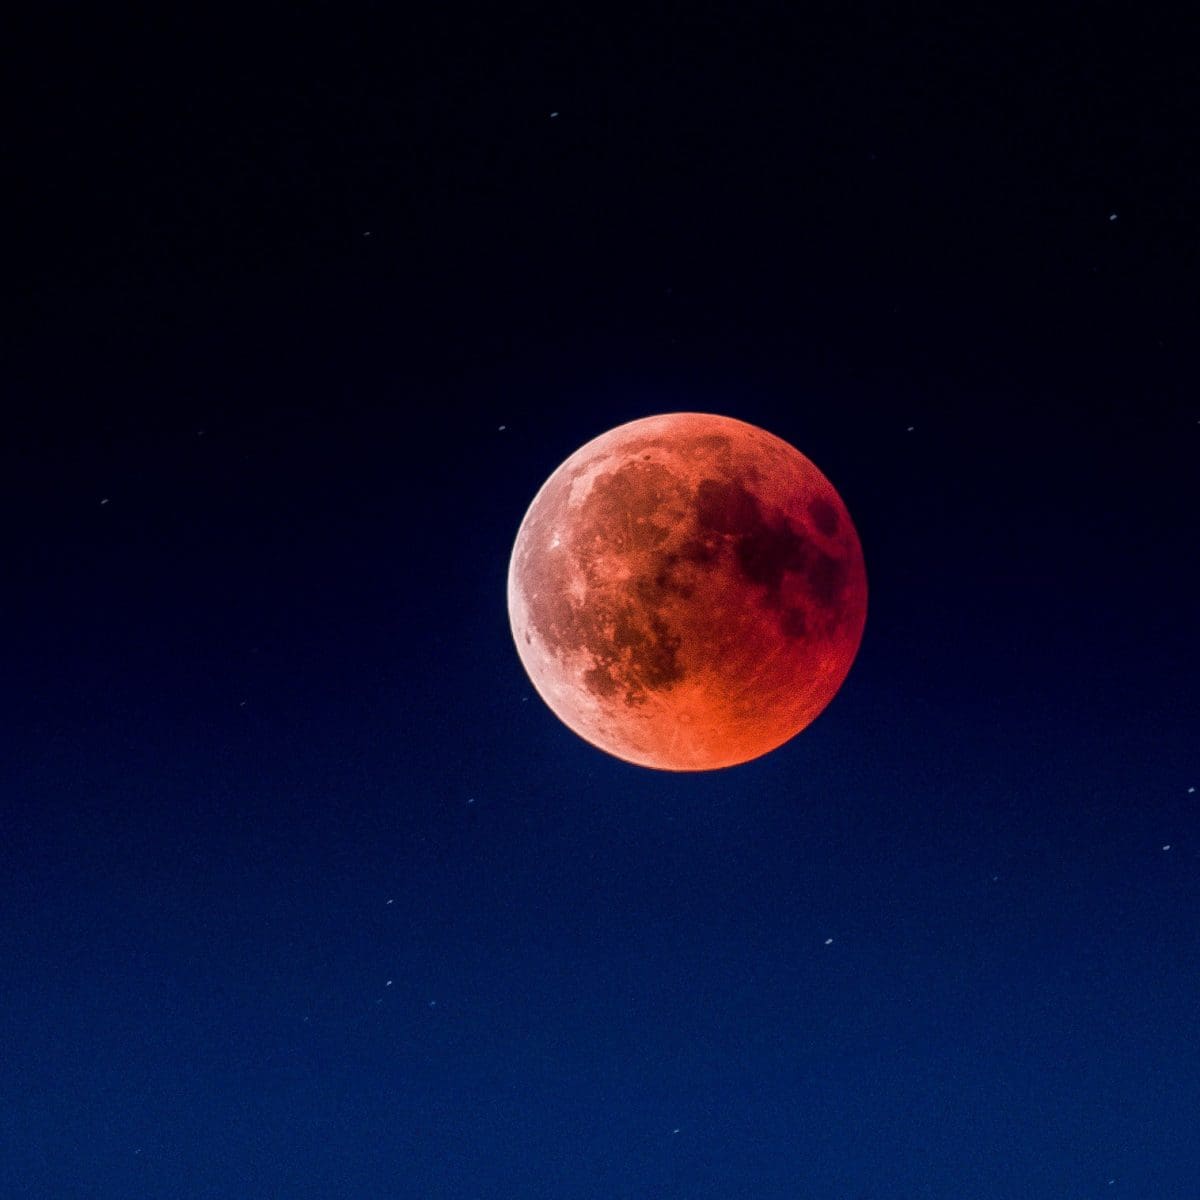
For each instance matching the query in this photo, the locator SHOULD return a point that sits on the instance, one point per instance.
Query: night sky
(305, 893)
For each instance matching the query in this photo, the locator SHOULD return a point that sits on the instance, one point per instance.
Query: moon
(687, 592)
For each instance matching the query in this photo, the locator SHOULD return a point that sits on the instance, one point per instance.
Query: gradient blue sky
(306, 894)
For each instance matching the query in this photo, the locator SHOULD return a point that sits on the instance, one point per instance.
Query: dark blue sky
(305, 893)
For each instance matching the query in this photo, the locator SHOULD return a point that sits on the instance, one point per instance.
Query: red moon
(687, 592)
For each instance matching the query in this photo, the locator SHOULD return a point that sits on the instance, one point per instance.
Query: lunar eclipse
(687, 592)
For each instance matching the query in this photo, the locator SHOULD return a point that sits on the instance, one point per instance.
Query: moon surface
(687, 592)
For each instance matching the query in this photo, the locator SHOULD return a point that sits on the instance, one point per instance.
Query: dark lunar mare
(765, 550)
